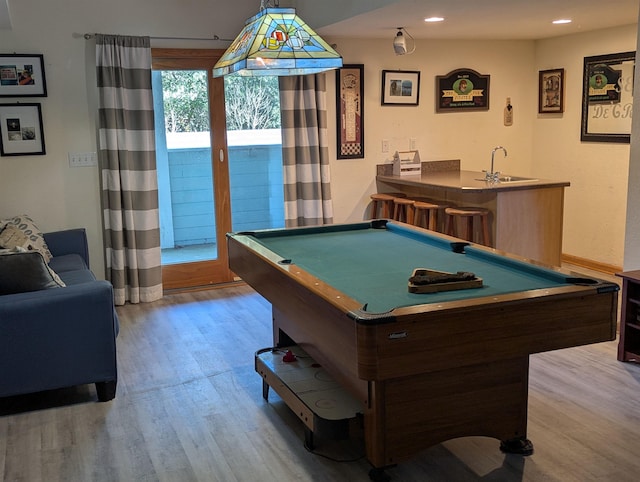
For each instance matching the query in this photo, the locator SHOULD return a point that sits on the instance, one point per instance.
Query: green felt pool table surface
(372, 263)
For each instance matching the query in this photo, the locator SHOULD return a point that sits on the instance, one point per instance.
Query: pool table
(427, 367)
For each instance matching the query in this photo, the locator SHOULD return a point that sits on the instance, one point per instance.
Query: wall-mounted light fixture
(277, 42)
(400, 42)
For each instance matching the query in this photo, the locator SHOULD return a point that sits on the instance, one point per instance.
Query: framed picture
(22, 75)
(21, 132)
(350, 111)
(400, 87)
(462, 90)
(607, 97)
(551, 91)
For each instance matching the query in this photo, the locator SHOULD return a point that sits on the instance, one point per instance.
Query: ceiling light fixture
(277, 42)
(561, 21)
(400, 42)
(434, 19)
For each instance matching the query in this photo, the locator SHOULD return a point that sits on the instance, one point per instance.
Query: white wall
(468, 136)
(595, 204)
(632, 233)
(57, 196)
(540, 145)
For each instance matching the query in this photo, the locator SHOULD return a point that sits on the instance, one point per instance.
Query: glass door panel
(254, 140)
(185, 175)
(192, 175)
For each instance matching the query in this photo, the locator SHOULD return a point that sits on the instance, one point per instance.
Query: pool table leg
(309, 444)
(517, 446)
(378, 474)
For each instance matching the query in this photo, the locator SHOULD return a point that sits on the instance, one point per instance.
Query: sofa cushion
(67, 262)
(77, 277)
(12, 237)
(23, 232)
(26, 271)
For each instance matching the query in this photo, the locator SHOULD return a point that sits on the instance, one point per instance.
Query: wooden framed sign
(461, 90)
(350, 111)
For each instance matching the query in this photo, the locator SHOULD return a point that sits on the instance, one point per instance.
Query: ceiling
(464, 19)
(477, 19)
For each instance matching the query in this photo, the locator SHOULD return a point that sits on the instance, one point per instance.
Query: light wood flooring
(189, 407)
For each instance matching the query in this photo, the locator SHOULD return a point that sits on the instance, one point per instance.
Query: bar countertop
(469, 181)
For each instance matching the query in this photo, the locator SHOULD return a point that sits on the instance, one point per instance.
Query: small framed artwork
(462, 90)
(350, 111)
(22, 75)
(400, 87)
(551, 91)
(21, 132)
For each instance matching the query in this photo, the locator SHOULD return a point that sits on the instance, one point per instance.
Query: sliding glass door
(193, 176)
(219, 161)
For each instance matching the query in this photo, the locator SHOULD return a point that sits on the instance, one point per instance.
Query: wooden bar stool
(466, 217)
(403, 209)
(425, 214)
(382, 204)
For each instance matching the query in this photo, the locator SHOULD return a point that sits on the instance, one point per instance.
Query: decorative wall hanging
(21, 132)
(350, 111)
(551, 91)
(400, 87)
(607, 98)
(22, 75)
(462, 89)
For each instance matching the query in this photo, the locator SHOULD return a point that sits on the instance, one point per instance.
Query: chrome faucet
(491, 175)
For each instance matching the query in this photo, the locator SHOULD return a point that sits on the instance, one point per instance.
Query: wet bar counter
(526, 216)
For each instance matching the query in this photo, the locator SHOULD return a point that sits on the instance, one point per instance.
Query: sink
(510, 179)
(515, 179)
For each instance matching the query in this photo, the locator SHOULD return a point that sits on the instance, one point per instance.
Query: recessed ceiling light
(561, 21)
(434, 19)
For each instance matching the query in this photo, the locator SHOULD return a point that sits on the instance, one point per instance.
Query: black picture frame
(350, 111)
(462, 90)
(21, 130)
(551, 91)
(22, 75)
(607, 108)
(400, 87)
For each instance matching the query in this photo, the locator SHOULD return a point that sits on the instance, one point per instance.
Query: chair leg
(468, 228)
(374, 209)
(485, 231)
(432, 219)
(386, 210)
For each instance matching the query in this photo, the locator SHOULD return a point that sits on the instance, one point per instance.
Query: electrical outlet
(83, 159)
(412, 143)
(385, 145)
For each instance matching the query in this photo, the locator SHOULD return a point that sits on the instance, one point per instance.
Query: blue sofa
(61, 337)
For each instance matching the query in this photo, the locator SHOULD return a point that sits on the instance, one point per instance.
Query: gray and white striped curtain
(128, 165)
(305, 150)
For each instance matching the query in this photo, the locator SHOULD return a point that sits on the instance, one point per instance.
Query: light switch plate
(83, 159)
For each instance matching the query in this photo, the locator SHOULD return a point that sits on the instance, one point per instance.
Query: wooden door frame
(204, 273)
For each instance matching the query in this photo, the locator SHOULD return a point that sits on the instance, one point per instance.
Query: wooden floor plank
(189, 407)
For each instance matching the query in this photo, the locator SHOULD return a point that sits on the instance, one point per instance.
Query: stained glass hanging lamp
(277, 42)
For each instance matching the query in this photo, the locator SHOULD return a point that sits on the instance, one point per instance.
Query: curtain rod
(88, 36)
